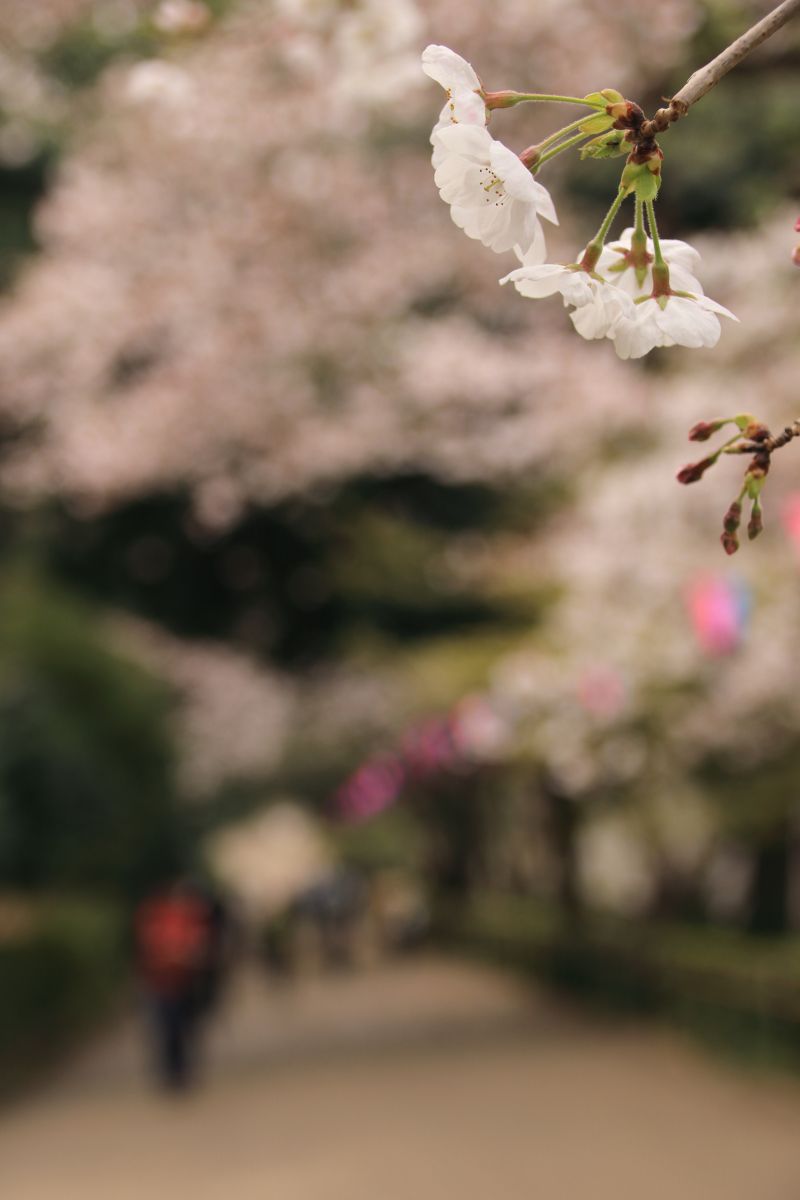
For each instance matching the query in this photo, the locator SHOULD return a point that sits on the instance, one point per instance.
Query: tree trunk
(769, 893)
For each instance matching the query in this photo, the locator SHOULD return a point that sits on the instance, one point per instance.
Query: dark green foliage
(85, 763)
(20, 190)
(57, 978)
(395, 840)
(82, 52)
(296, 581)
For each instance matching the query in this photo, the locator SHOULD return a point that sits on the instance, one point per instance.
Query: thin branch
(707, 77)
(769, 442)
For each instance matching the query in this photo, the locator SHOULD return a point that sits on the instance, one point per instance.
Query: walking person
(174, 934)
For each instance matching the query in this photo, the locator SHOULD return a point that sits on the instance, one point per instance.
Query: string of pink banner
(452, 743)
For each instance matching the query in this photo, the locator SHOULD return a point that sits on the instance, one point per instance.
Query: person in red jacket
(174, 933)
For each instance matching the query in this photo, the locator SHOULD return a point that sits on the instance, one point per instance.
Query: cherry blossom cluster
(640, 291)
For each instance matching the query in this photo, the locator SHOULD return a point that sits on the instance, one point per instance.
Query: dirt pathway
(427, 1080)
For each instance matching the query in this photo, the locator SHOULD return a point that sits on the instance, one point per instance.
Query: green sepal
(743, 420)
(608, 145)
(637, 177)
(648, 186)
(607, 96)
(753, 486)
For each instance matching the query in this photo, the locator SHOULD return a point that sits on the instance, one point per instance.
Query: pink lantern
(375, 786)
(790, 516)
(718, 612)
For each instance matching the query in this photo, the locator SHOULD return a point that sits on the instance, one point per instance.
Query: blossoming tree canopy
(640, 292)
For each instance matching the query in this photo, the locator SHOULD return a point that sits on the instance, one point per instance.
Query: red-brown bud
(732, 518)
(755, 524)
(703, 430)
(759, 466)
(531, 156)
(693, 472)
(730, 542)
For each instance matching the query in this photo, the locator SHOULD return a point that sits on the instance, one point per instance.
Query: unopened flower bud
(693, 472)
(755, 524)
(504, 99)
(730, 542)
(531, 156)
(732, 518)
(703, 430)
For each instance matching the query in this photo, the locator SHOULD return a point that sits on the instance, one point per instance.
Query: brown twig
(707, 77)
(756, 440)
(769, 443)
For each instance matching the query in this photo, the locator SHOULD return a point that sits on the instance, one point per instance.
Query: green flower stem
(523, 97)
(594, 249)
(567, 145)
(651, 221)
(639, 223)
(602, 233)
(724, 449)
(559, 133)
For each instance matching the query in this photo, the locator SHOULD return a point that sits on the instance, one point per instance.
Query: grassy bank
(739, 994)
(61, 968)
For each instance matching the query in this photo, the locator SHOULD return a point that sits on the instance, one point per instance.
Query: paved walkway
(423, 1080)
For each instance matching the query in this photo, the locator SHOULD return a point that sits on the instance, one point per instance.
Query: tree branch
(768, 442)
(707, 77)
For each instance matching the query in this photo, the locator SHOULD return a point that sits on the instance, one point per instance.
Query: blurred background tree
(295, 474)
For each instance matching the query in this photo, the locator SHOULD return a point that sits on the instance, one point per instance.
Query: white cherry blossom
(492, 195)
(669, 321)
(599, 317)
(681, 258)
(459, 79)
(598, 304)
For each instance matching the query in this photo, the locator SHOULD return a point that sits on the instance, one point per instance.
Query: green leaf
(608, 145)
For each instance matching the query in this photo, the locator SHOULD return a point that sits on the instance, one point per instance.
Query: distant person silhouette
(177, 937)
